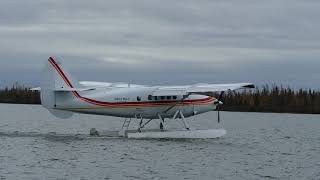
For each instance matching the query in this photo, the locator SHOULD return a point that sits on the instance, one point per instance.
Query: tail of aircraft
(56, 86)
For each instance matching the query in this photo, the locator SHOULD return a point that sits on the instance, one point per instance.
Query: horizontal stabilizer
(66, 89)
(36, 89)
(73, 89)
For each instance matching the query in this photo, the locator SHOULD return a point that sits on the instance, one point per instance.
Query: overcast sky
(163, 42)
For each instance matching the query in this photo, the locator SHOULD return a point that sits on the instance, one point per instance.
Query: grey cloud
(174, 41)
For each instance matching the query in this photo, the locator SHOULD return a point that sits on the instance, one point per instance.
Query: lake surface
(36, 145)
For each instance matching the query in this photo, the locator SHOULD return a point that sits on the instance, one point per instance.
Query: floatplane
(63, 95)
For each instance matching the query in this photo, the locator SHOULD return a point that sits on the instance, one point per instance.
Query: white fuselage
(133, 102)
(60, 92)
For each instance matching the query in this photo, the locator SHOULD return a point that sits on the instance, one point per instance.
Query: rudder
(55, 77)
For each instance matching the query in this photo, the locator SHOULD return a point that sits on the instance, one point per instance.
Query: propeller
(218, 103)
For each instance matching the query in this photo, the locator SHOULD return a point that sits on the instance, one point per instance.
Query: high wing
(108, 84)
(92, 85)
(202, 89)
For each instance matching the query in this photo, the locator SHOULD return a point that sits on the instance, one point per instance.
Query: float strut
(144, 124)
(176, 114)
(185, 123)
(126, 124)
(140, 123)
(161, 122)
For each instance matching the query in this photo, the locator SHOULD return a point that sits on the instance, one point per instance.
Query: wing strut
(178, 102)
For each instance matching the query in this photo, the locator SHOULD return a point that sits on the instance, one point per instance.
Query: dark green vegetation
(19, 95)
(274, 99)
(265, 99)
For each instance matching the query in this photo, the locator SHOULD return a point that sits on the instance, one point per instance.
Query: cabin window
(138, 98)
(162, 97)
(150, 97)
(174, 97)
(168, 97)
(155, 98)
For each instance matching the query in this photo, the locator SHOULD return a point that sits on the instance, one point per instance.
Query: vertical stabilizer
(54, 77)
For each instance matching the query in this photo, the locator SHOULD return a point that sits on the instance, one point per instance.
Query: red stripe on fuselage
(100, 103)
(57, 67)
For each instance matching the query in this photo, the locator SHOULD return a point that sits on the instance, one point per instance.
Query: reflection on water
(35, 145)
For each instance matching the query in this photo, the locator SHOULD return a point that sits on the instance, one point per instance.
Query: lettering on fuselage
(121, 99)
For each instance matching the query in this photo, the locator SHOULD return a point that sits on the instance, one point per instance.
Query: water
(35, 145)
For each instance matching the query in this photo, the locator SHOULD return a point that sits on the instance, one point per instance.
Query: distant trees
(19, 95)
(264, 99)
(274, 99)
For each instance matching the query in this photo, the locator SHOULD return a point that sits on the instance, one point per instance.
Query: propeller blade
(219, 103)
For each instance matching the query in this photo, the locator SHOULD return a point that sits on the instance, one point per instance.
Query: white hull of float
(157, 134)
(182, 134)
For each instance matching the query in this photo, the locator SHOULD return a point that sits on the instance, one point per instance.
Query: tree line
(274, 99)
(264, 99)
(18, 94)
